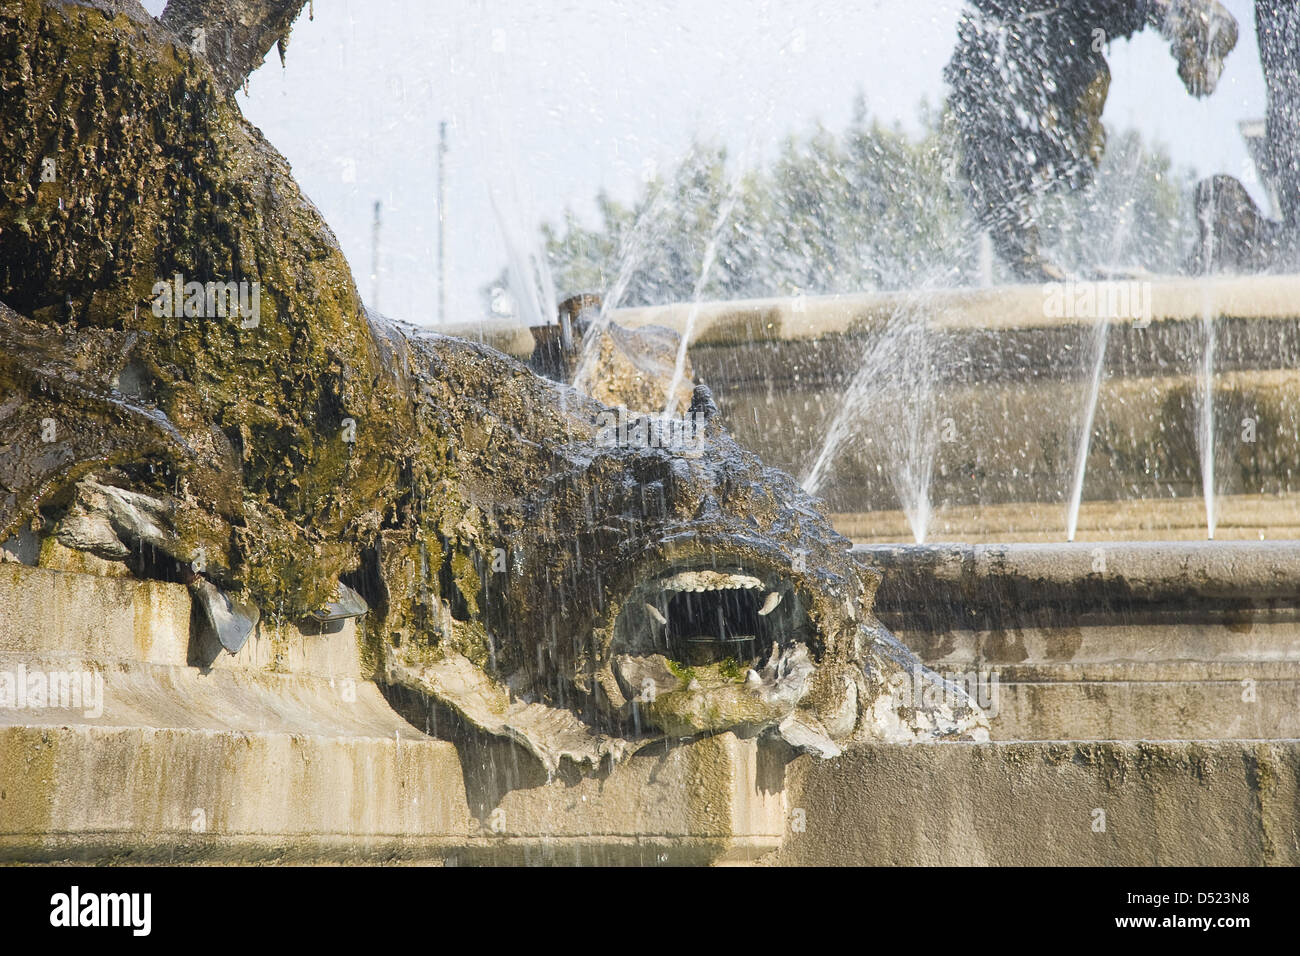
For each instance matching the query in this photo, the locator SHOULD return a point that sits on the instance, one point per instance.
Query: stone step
(61, 690)
(295, 757)
(1105, 672)
(1192, 803)
(1134, 700)
(1185, 647)
(1141, 710)
(286, 752)
(145, 794)
(98, 617)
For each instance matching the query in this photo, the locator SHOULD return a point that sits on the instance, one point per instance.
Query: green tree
(873, 208)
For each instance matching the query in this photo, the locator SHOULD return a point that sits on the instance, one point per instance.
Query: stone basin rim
(1005, 307)
(1091, 572)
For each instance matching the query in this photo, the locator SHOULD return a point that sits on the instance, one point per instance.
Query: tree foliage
(871, 208)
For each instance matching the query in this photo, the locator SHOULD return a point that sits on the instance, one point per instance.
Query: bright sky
(547, 103)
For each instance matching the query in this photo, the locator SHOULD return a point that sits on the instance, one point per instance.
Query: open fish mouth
(707, 616)
(705, 649)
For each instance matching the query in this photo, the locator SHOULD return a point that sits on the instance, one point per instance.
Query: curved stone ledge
(1009, 381)
(1001, 307)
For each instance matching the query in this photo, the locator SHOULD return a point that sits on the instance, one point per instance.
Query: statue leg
(1015, 239)
(1277, 23)
(1235, 235)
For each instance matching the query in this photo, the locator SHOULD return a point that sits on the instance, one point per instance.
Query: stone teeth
(694, 685)
(770, 604)
(751, 677)
(700, 581)
(655, 613)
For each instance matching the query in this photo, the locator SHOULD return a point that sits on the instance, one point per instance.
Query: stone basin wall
(288, 752)
(1011, 379)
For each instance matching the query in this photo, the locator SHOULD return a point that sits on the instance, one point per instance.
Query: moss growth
(732, 669)
(467, 580)
(470, 640)
(158, 176)
(726, 670)
(681, 671)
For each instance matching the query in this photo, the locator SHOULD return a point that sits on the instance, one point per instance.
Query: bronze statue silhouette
(1234, 234)
(1029, 81)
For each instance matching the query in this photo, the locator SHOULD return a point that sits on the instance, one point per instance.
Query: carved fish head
(680, 585)
(273, 461)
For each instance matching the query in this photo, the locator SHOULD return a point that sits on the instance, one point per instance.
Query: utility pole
(374, 256)
(442, 222)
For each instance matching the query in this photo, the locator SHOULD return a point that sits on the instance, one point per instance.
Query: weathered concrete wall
(1165, 804)
(113, 793)
(90, 793)
(52, 613)
(717, 800)
(1174, 708)
(1010, 384)
(293, 756)
(1157, 640)
(286, 752)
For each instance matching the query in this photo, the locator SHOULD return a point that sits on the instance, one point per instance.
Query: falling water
(706, 266)
(1205, 416)
(892, 392)
(863, 392)
(1100, 332)
(1205, 431)
(984, 259)
(920, 438)
(645, 232)
(530, 271)
(1119, 240)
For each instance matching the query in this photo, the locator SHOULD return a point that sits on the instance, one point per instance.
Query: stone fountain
(1142, 647)
(297, 583)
